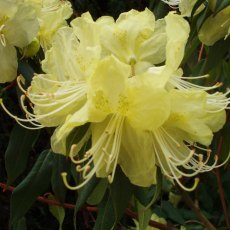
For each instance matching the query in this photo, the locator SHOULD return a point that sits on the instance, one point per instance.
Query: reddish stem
(200, 52)
(11, 85)
(220, 187)
(46, 200)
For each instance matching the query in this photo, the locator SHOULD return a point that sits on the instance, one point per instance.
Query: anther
(110, 179)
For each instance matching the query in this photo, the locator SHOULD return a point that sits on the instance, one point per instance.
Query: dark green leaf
(84, 193)
(158, 189)
(20, 224)
(216, 54)
(36, 183)
(148, 196)
(98, 193)
(79, 135)
(20, 144)
(220, 5)
(114, 202)
(26, 70)
(172, 212)
(60, 164)
(196, 6)
(202, 16)
(205, 198)
(144, 216)
(160, 10)
(106, 217)
(58, 212)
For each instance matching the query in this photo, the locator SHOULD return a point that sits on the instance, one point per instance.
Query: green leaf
(144, 216)
(161, 10)
(216, 54)
(158, 189)
(220, 5)
(84, 193)
(60, 164)
(202, 16)
(20, 144)
(148, 196)
(26, 70)
(98, 193)
(196, 6)
(58, 212)
(20, 224)
(79, 135)
(114, 203)
(35, 183)
(172, 212)
(106, 217)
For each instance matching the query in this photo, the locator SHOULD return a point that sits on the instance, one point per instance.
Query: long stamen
(111, 136)
(172, 160)
(181, 84)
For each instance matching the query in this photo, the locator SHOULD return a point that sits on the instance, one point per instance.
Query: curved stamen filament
(185, 85)
(172, 159)
(99, 155)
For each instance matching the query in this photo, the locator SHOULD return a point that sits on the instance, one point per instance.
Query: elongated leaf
(114, 202)
(36, 183)
(144, 216)
(106, 218)
(220, 5)
(20, 224)
(58, 212)
(196, 6)
(172, 212)
(98, 193)
(26, 70)
(216, 54)
(83, 195)
(158, 189)
(20, 144)
(60, 164)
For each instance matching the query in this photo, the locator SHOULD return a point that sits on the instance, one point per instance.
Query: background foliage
(27, 163)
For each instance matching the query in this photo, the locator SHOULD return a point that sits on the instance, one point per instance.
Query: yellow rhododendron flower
(120, 111)
(62, 90)
(89, 31)
(215, 27)
(141, 116)
(18, 26)
(136, 39)
(52, 15)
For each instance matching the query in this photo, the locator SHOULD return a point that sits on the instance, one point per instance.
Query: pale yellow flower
(175, 47)
(52, 15)
(181, 144)
(120, 110)
(62, 90)
(18, 26)
(136, 39)
(139, 118)
(89, 31)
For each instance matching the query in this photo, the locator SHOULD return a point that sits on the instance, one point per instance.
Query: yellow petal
(23, 24)
(108, 84)
(8, 63)
(137, 158)
(149, 106)
(176, 40)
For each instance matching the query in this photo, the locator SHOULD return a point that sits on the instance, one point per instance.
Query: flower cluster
(21, 21)
(124, 78)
